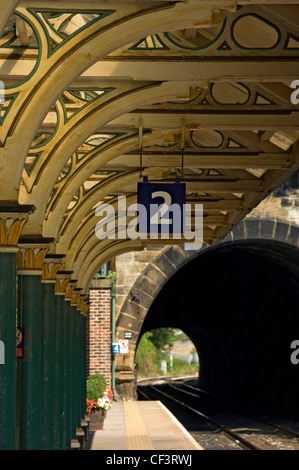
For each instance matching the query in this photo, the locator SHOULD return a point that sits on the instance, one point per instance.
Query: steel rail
(231, 434)
(261, 420)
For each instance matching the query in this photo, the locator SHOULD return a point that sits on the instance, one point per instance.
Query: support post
(70, 344)
(67, 358)
(62, 395)
(59, 373)
(83, 328)
(29, 263)
(30, 366)
(7, 351)
(113, 294)
(77, 362)
(12, 219)
(50, 267)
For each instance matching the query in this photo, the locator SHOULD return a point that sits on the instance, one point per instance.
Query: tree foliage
(153, 348)
(162, 337)
(146, 355)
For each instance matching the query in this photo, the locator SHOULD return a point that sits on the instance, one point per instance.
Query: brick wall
(99, 333)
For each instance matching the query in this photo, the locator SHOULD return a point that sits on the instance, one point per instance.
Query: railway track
(269, 422)
(244, 432)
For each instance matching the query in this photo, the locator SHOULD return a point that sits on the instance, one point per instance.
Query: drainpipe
(113, 294)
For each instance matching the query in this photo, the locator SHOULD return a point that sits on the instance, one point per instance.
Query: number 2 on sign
(157, 218)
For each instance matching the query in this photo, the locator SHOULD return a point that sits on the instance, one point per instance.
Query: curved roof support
(40, 193)
(89, 270)
(6, 11)
(117, 185)
(128, 23)
(92, 246)
(84, 170)
(87, 229)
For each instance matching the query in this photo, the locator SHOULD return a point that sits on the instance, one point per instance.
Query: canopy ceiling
(200, 89)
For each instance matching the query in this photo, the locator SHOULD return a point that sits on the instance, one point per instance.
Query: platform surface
(141, 425)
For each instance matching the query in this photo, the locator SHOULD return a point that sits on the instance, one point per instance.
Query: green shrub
(146, 357)
(95, 386)
(180, 366)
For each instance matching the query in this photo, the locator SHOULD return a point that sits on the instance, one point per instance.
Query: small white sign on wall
(124, 346)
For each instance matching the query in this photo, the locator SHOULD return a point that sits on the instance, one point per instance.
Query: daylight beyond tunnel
(238, 302)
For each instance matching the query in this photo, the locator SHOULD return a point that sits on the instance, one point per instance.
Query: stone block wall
(283, 208)
(128, 267)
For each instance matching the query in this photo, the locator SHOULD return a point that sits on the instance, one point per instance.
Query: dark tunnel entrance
(238, 303)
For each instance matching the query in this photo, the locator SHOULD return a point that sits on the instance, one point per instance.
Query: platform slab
(141, 425)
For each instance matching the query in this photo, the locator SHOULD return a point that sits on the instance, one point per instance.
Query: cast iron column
(59, 391)
(12, 219)
(82, 312)
(50, 267)
(76, 362)
(30, 366)
(70, 420)
(62, 440)
(29, 262)
(7, 351)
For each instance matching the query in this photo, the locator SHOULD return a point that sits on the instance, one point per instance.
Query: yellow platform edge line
(137, 436)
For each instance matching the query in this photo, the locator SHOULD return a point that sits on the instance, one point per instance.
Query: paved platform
(141, 425)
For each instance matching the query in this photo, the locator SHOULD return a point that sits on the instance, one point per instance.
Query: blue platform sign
(161, 207)
(115, 348)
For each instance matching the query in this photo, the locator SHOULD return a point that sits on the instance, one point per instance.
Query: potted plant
(97, 407)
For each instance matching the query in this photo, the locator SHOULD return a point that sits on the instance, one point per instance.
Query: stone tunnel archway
(281, 239)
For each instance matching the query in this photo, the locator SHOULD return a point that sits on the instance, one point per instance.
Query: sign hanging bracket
(140, 142)
(183, 140)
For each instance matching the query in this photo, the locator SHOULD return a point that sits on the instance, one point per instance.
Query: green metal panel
(78, 353)
(59, 374)
(30, 366)
(82, 382)
(48, 371)
(7, 351)
(82, 321)
(74, 371)
(67, 355)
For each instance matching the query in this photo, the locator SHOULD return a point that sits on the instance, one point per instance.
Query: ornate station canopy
(100, 93)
